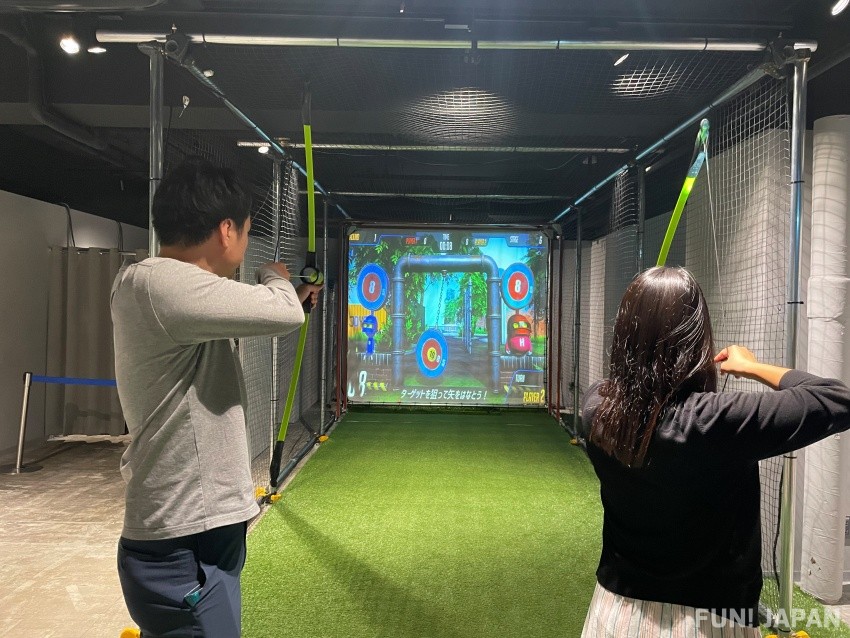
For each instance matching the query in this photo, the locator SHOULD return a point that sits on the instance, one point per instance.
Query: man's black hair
(194, 198)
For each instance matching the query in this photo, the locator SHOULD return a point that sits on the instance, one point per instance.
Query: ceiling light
(70, 45)
(96, 49)
(651, 81)
(621, 59)
(401, 8)
(463, 116)
(839, 6)
(263, 150)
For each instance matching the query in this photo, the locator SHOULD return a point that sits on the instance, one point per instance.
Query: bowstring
(714, 241)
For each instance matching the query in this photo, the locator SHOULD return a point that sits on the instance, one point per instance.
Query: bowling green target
(432, 353)
(372, 287)
(517, 286)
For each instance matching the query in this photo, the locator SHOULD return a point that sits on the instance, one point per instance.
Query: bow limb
(309, 273)
(697, 160)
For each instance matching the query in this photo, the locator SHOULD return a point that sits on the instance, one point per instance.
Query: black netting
(559, 121)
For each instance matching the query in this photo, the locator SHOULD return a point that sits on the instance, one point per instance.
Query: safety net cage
(733, 236)
(498, 136)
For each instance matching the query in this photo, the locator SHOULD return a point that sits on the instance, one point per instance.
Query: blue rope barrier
(74, 381)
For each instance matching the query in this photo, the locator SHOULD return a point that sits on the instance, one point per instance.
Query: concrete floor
(59, 529)
(843, 606)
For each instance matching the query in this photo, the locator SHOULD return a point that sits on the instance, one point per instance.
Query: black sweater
(685, 528)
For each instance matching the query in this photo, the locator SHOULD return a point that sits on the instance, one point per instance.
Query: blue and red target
(372, 287)
(517, 286)
(432, 353)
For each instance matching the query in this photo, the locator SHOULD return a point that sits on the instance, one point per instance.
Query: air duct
(43, 114)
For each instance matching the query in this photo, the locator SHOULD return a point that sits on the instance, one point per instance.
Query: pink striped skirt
(614, 616)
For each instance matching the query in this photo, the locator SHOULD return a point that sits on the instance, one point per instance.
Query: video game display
(447, 316)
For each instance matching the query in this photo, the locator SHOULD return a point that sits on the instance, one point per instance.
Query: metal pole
(558, 403)
(341, 328)
(23, 431)
(641, 186)
(577, 326)
(189, 64)
(451, 148)
(274, 398)
(550, 331)
(154, 51)
(18, 467)
(681, 44)
(789, 478)
(323, 393)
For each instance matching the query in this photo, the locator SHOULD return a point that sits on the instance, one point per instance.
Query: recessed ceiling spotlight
(96, 49)
(69, 45)
(208, 73)
(263, 150)
(623, 57)
(839, 6)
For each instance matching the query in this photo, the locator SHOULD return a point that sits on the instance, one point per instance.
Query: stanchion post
(19, 467)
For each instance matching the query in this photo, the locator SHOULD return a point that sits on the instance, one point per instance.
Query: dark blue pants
(185, 587)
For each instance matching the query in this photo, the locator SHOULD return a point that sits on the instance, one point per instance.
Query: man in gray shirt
(189, 489)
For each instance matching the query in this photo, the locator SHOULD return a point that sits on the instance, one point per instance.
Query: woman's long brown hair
(663, 349)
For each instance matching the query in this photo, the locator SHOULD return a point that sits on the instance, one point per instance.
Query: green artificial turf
(439, 525)
(435, 525)
(817, 624)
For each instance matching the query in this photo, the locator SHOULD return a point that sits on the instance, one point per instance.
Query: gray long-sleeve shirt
(181, 389)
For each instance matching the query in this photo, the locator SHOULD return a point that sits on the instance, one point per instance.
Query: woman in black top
(677, 463)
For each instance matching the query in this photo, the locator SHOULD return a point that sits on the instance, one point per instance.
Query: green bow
(697, 160)
(311, 274)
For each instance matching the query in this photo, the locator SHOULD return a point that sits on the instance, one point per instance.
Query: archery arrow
(697, 160)
(311, 274)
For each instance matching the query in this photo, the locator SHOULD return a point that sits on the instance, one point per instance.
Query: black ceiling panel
(556, 121)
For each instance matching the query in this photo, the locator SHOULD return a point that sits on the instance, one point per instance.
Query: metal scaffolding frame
(797, 57)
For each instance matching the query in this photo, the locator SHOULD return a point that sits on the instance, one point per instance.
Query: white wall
(30, 227)
(825, 495)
